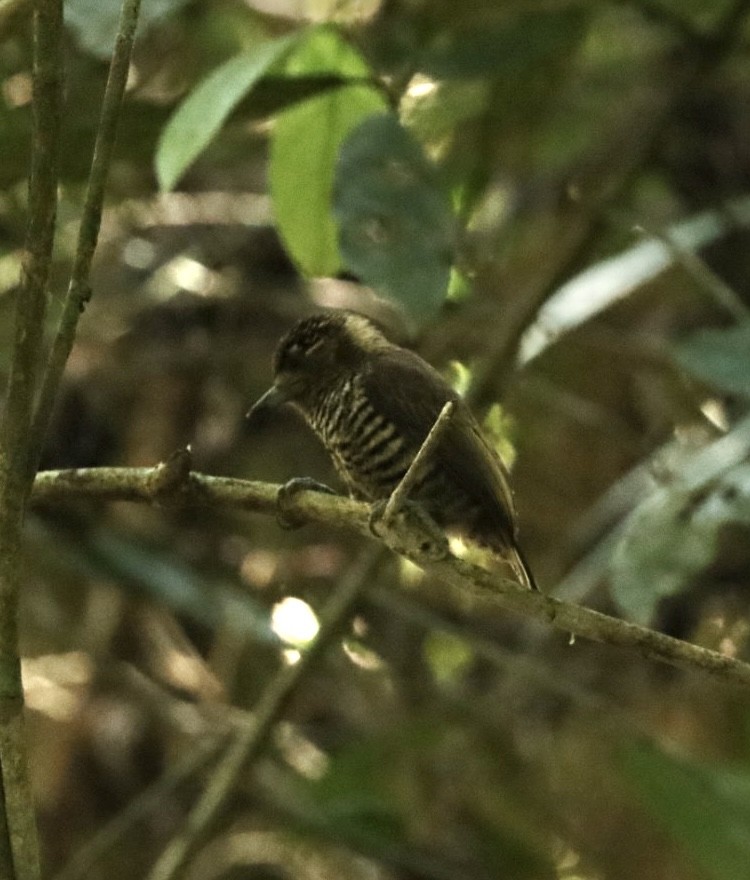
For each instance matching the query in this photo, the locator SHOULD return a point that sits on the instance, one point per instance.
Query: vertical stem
(79, 291)
(19, 850)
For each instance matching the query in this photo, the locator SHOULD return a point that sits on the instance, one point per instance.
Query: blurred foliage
(477, 176)
(706, 808)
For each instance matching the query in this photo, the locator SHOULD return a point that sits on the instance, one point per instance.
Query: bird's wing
(411, 394)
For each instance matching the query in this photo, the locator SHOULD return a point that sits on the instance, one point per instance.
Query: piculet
(372, 403)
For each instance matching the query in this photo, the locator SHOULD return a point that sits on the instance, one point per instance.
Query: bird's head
(317, 353)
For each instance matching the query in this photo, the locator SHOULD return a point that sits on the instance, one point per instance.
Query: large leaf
(719, 357)
(706, 809)
(305, 146)
(200, 116)
(396, 225)
(677, 532)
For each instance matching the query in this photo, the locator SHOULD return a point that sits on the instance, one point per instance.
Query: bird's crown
(331, 336)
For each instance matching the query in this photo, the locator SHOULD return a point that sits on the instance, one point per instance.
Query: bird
(372, 403)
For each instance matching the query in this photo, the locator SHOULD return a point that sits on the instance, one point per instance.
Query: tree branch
(401, 492)
(466, 588)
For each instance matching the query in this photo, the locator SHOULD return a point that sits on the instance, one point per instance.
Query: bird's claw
(286, 516)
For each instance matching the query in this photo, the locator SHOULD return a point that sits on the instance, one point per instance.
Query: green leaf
(448, 655)
(396, 225)
(305, 147)
(200, 116)
(509, 49)
(673, 536)
(720, 358)
(706, 809)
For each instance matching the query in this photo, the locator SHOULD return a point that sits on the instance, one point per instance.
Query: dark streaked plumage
(372, 404)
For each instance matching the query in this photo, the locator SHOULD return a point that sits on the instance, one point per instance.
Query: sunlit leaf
(305, 145)
(719, 357)
(706, 809)
(396, 225)
(200, 116)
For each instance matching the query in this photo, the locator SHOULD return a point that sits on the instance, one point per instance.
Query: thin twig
(401, 492)
(79, 291)
(470, 590)
(250, 742)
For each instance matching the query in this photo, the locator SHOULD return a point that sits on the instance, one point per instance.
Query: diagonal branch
(401, 492)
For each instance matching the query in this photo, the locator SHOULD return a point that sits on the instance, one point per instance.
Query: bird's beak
(273, 398)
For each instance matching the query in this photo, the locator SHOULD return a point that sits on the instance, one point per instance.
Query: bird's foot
(286, 516)
(422, 536)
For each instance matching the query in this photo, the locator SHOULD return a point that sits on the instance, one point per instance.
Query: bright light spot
(460, 377)
(189, 274)
(411, 574)
(16, 90)
(498, 428)
(55, 684)
(716, 413)
(294, 621)
(457, 546)
(139, 253)
(420, 87)
(362, 656)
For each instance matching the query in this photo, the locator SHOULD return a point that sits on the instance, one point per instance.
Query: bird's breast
(367, 449)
